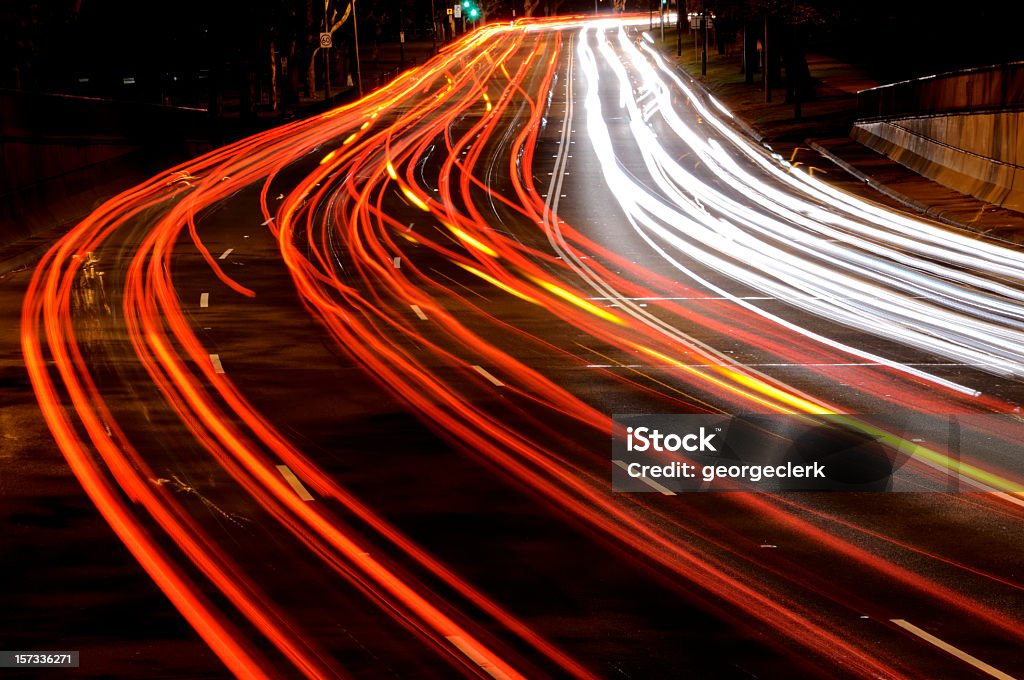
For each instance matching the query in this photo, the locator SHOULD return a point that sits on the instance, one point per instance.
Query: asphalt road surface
(344, 390)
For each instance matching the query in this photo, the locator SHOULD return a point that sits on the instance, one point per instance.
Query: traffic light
(470, 8)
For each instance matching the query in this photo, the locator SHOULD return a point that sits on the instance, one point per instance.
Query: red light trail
(407, 175)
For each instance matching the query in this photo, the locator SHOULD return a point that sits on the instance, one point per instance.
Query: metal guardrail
(986, 88)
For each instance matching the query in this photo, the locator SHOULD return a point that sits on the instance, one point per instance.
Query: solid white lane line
(224, 255)
(204, 300)
(294, 482)
(217, 366)
(397, 262)
(950, 649)
(476, 657)
(649, 482)
(419, 312)
(484, 372)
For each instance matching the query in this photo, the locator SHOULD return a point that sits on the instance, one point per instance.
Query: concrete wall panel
(976, 154)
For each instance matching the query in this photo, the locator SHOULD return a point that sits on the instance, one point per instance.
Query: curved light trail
(390, 216)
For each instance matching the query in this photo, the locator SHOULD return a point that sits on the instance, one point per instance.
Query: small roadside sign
(450, 10)
(325, 40)
(458, 11)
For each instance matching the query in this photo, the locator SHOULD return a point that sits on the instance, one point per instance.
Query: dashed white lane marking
(485, 373)
(649, 482)
(224, 255)
(294, 482)
(204, 300)
(950, 649)
(476, 657)
(419, 312)
(217, 366)
(397, 262)
(269, 220)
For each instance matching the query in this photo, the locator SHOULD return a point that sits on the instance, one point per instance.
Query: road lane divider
(950, 649)
(490, 377)
(649, 482)
(294, 482)
(218, 367)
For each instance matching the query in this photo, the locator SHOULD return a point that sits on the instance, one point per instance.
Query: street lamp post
(433, 26)
(679, 28)
(765, 68)
(704, 44)
(401, 40)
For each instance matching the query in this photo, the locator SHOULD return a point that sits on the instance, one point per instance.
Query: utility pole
(327, 57)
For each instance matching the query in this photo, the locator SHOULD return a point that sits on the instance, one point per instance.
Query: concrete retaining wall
(1000, 86)
(961, 129)
(977, 154)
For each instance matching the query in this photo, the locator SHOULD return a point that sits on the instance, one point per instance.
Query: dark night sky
(53, 43)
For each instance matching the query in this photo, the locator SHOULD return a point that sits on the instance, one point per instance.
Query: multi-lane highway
(344, 388)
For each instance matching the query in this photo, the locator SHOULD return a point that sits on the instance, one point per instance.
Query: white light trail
(758, 221)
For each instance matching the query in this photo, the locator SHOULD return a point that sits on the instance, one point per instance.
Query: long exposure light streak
(438, 171)
(908, 286)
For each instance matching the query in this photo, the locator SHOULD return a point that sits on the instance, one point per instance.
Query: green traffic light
(473, 12)
(465, 3)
